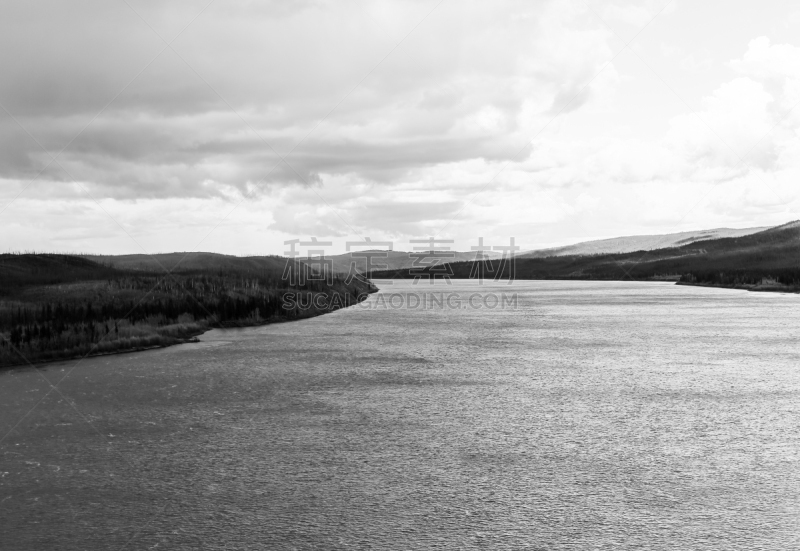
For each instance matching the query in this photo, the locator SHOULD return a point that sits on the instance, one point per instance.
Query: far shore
(777, 288)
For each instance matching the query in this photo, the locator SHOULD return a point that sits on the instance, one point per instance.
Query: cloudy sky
(146, 126)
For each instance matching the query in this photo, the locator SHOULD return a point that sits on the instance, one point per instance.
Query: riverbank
(162, 337)
(758, 288)
(153, 342)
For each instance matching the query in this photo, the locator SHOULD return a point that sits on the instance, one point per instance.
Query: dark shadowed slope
(18, 270)
(190, 262)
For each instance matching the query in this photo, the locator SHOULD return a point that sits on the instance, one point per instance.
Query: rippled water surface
(591, 416)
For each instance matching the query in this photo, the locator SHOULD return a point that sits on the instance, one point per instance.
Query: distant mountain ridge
(627, 244)
(392, 260)
(764, 260)
(183, 261)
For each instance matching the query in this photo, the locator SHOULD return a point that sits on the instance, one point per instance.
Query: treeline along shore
(768, 260)
(55, 307)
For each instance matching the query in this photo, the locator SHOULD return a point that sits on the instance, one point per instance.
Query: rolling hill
(192, 261)
(634, 243)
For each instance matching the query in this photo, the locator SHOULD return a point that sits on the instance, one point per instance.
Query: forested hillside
(61, 306)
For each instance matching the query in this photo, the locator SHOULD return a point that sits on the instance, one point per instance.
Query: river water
(586, 415)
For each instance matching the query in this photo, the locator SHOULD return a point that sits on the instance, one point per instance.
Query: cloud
(766, 61)
(250, 82)
(488, 118)
(777, 67)
(735, 119)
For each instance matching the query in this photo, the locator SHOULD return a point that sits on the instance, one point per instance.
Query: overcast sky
(149, 126)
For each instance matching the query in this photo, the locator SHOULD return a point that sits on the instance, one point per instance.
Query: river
(572, 415)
